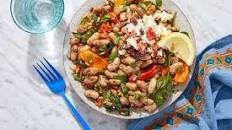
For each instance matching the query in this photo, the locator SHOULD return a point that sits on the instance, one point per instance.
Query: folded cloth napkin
(207, 102)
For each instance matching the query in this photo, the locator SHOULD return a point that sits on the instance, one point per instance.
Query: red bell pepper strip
(150, 73)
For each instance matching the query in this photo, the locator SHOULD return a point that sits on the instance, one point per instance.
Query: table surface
(26, 104)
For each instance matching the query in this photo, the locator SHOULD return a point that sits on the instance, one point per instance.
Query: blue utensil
(56, 84)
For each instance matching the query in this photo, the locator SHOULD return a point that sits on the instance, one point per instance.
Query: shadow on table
(50, 46)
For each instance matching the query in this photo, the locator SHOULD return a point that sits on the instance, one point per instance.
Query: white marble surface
(25, 104)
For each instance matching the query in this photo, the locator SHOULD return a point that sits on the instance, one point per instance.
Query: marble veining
(26, 104)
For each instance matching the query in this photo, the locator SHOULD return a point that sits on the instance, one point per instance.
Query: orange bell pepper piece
(119, 2)
(182, 75)
(93, 59)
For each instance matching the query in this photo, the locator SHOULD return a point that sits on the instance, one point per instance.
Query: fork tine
(52, 74)
(47, 75)
(41, 75)
(54, 70)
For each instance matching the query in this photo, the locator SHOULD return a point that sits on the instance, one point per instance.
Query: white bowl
(181, 21)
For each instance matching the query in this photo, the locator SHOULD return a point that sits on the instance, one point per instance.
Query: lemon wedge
(181, 45)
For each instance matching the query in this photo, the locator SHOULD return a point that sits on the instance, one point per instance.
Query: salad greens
(78, 77)
(116, 104)
(163, 89)
(117, 38)
(84, 37)
(113, 56)
(124, 89)
(122, 78)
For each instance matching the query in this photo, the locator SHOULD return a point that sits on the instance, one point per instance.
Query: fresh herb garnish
(107, 95)
(138, 96)
(106, 17)
(133, 64)
(113, 56)
(186, 33)
(158, 3)
(122, 78)
(84, 20)
(143, 5)
(103, 48)
(79, 62)
(116, 104)
(168, 59)
(124, 89)
(85, 36)
(77, 35)
(106, 48)
(125, 111)
(117, 38)
(78, 77)
(111, 3)
(164, 89)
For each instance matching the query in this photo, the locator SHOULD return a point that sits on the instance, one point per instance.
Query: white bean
(91, 94)
(150, 108)
(131, 86)
(152, 85)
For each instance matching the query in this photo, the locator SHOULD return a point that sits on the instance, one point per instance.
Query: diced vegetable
(87, 35)
(119, 2)
(111, 3)
(117, 106)
(106, 17)
(122, 78)
(84, 20)
(186, 33)
(84, 37)
(164, 70)
(124, 89)
(113, 56)
(77, 35)
(138, 96)
(93, 59)
(125, 111)
(77, 77)
(143, 5)
(79, 62)
(158, 3)
(167, 59)
(133, 64)
(117, 38)
(182, 76)
(133, 78)
(150, 73)
(106, 48)
(150, 33)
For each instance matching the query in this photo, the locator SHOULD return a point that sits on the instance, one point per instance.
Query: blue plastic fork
(56, 84)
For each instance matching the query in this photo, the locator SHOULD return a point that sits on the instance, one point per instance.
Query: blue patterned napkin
(207, 102)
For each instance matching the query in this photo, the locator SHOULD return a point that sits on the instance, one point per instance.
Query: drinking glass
(37, 16)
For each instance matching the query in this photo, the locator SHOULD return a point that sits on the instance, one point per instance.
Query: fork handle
(76, 114)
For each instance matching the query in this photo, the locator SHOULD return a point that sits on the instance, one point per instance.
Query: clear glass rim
(35, 32)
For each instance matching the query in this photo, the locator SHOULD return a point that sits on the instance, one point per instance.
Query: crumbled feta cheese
(161, 30)
(130, 27)
(131, 41)
(122, 52)
(149, 50)
(160, 53)
(163, 16)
